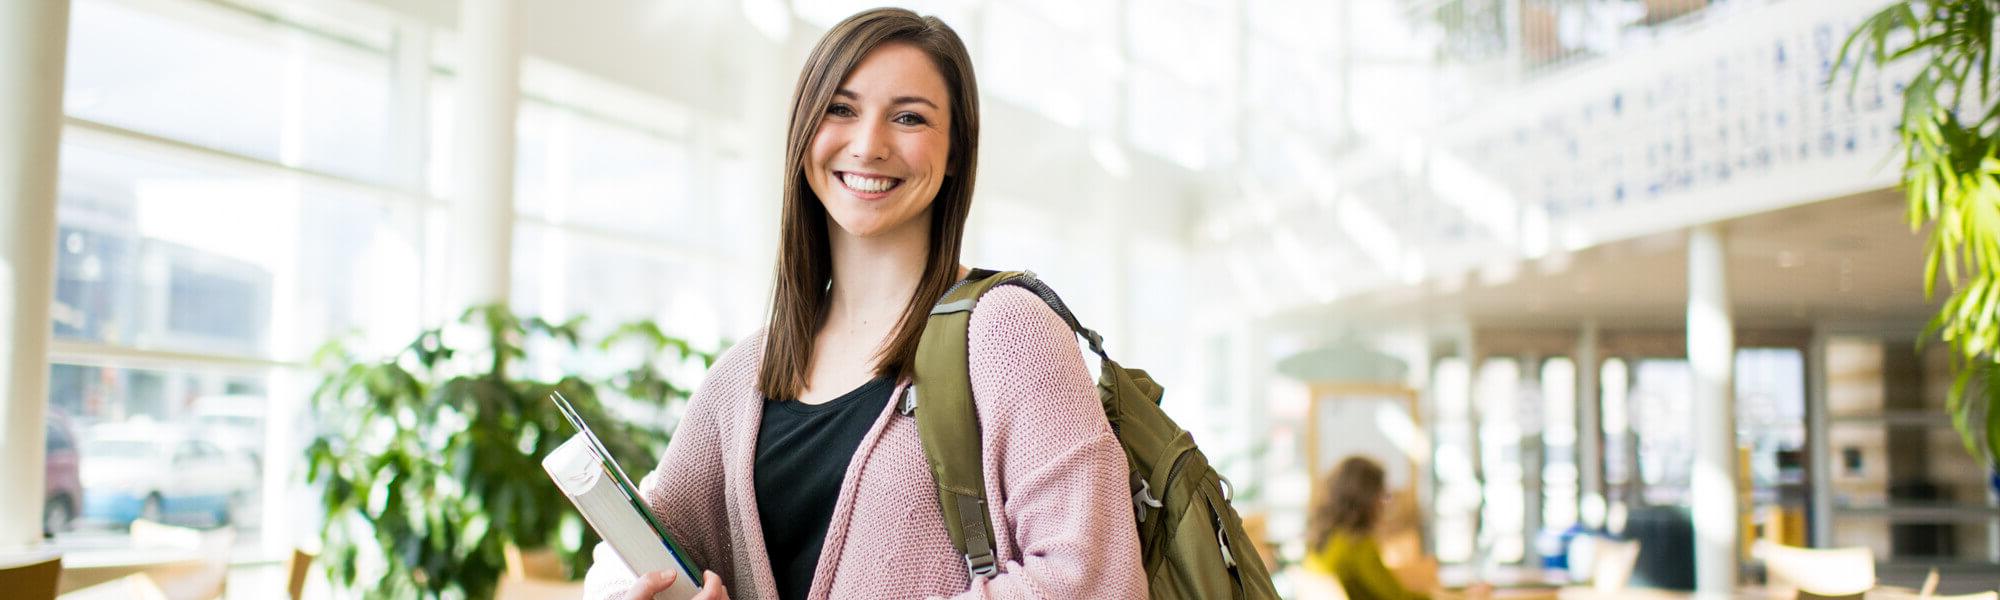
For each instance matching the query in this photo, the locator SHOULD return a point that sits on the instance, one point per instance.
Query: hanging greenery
(429, 461)
(1952, 180)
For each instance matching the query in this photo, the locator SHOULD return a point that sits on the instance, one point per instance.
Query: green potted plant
(1951, 178)
(428, 461)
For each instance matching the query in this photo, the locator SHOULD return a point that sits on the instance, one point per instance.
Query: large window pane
(559, 274)
(181, 446)
(1560, 475)
(1503, 522)
(1458, 495)
(1015, 66)
(1662, 416)
(579, 169)
(164, 252)
(221, 77)
(1771, 424)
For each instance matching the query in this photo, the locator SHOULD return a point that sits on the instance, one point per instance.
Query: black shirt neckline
(866, 389)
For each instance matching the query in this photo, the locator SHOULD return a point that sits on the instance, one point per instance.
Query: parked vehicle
(62, 487)
(134, 470)
(233, 422)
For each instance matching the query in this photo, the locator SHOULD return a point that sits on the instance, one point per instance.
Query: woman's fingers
(711, 587)
(651, 583)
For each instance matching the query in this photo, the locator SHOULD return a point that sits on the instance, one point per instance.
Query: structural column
(1711, 350)
(1819, 453)
(1589, 427)
(483, 203)
(33, 39)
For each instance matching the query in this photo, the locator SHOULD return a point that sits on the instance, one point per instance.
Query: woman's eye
(910, 119)
(840, 110)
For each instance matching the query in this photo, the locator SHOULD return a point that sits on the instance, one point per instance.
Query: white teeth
(865, 184)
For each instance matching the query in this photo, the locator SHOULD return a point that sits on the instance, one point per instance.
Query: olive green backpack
(1191, 541)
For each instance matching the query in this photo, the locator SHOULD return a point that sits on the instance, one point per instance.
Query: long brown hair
(805, 261)
(1349, 503)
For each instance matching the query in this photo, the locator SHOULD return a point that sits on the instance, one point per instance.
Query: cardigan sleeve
(685, 490)
(1055, 475)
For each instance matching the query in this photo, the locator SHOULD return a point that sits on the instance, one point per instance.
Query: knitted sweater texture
(1056, 482)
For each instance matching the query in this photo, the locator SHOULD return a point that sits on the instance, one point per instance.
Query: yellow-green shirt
(1356, 562)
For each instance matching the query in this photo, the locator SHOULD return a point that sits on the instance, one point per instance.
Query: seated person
(1341, 536)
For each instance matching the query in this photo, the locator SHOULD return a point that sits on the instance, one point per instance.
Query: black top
(802, 455)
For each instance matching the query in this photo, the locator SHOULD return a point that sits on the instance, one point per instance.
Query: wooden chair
(296, 569)
(1310, 585)
(203, 581)
(32, 581)
(1818, 572)
(535, 575)
(1928, 592)
(1612, 562)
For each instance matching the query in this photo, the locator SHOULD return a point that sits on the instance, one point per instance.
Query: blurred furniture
(1929, 592)
(148, 551)
(31, 576)
(1313, 585)
(1612, 563)
(1662, 10)
(1666, 547)
(1905, 595)
(1257, 526)
(1818, 572)
(296, 569)
(535, 575)
(201, 580)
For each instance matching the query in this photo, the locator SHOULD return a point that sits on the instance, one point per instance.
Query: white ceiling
(689, 52)
(1850, 260)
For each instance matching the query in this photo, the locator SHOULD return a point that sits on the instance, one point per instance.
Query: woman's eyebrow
(850, 95)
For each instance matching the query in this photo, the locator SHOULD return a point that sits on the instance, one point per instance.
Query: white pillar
(1589, 427)
(33, 39)
(1819, 452)
(488, 96)
(1711, 349)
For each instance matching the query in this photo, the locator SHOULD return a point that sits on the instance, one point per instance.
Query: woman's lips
(867, 187)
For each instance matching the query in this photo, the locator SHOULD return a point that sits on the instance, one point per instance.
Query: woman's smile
(867, 186)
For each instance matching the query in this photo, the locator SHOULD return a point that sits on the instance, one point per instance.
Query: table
(85, 568)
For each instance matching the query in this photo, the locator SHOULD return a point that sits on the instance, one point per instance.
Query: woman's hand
(659, 581)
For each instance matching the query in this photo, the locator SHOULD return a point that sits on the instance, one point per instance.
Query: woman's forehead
(894, 71)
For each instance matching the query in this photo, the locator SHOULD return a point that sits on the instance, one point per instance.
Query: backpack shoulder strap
(949, 424)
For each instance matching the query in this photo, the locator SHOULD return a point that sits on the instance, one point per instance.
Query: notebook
(585, 472)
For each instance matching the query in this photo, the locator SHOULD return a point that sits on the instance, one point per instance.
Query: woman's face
(880, 154)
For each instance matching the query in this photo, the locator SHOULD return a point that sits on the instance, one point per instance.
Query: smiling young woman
(792, 475)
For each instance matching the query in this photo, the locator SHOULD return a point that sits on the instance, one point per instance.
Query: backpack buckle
(908, 406)
(982, 566)
(1222, 538)
(1144, 498)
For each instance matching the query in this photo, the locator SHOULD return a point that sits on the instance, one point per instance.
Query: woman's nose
(868, 143)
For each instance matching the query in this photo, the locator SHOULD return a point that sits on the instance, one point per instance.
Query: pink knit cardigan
(1055, 477)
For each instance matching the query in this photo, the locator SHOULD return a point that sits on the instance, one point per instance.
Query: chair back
(34, 580)
(1313, 585)
(203, 581)
(296, 570)
(1611, 564)
(1818, 572)
(1908, 595)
